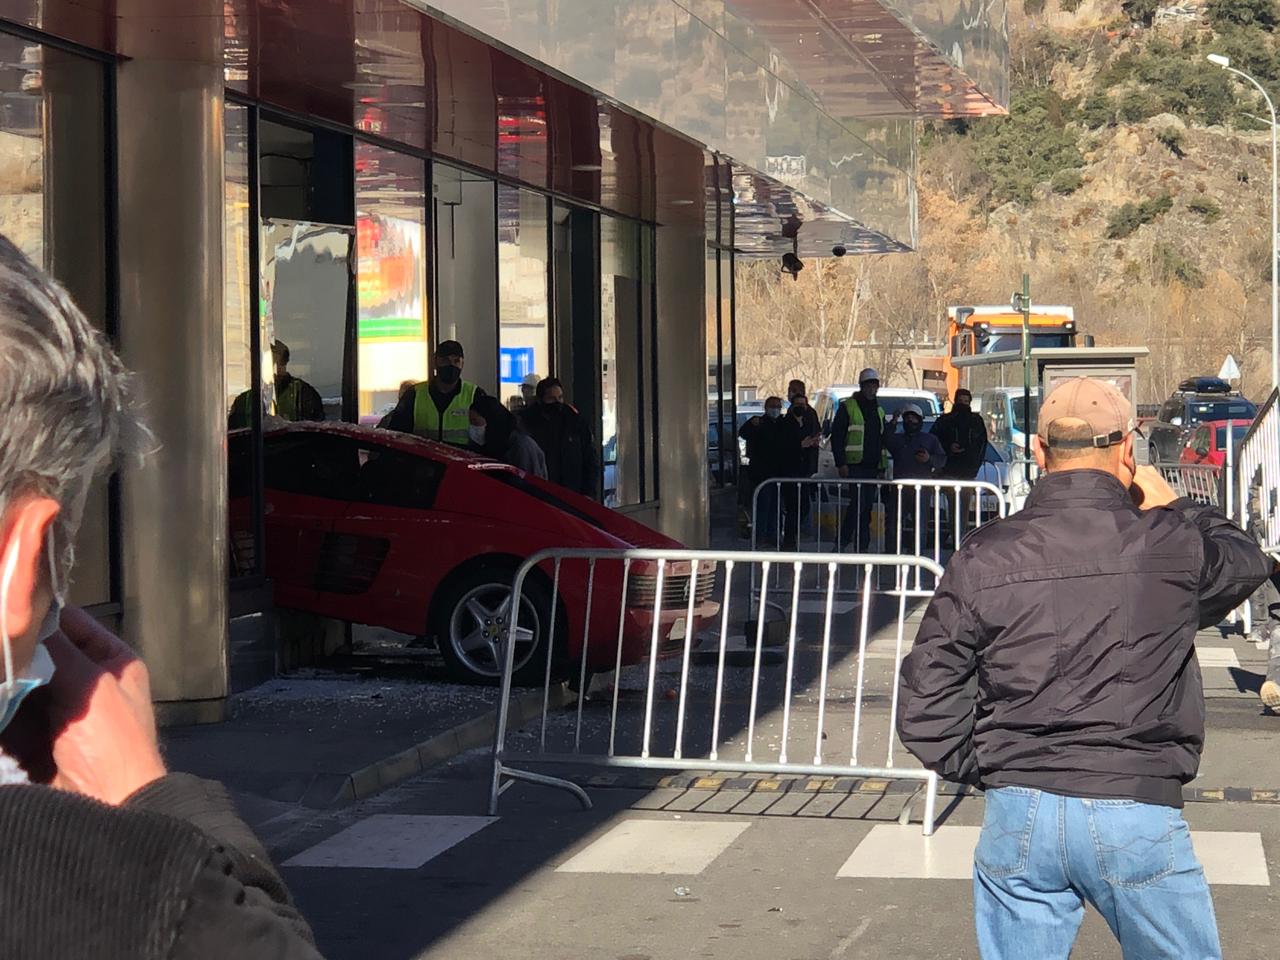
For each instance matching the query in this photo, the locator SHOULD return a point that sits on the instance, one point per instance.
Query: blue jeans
(1041, 856)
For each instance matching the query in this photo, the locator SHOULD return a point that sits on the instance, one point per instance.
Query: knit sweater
(173, 874)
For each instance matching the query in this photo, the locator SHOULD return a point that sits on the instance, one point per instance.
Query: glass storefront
(722, 432)
(466, 259)
(53, 132)
(524, 310)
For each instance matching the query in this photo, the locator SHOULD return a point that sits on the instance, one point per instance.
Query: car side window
(394, 478)
(312, 464)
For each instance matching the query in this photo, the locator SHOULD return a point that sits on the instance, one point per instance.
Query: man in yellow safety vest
(857, 446)
(295, 399)
(438, 409)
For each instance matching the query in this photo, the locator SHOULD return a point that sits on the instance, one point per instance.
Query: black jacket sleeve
(938, 690)
(1234, 566)
(239, 906)
(839, 434)
(401, 418)
(590, 461)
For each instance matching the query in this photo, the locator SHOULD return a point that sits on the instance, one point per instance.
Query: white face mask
(14, 689)
(773, 413)
(476, 434)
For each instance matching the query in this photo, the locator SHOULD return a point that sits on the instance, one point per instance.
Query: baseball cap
(1099, 404)
(912, 408)
(450, 348)
(868, 374)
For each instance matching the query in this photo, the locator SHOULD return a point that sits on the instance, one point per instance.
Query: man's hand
(102, 723)
(1150, 489)
(922, 456)
(843, 471)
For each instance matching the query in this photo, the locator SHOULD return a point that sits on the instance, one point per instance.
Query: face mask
(910, 426)
(554, 408)
(13, 690)
(797, 409)
(961, 407)
(476, 434)
(448, 374)
(773, 413)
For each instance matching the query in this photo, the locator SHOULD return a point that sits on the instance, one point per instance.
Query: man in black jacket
(108, 856)
(774, 447)
(1055, 667)
(565, 439)
(963, 435)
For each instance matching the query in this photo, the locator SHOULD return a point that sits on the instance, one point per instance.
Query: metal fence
(923, 518)
(804, 694)
(1257, 476)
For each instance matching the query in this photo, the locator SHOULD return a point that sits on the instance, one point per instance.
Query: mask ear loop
(6, 581)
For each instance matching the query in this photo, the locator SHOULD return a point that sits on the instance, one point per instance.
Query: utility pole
(1022, 303)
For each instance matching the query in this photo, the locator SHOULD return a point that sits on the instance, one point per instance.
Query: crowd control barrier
(813, 691)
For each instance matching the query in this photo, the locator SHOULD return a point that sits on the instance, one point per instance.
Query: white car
(891, 400)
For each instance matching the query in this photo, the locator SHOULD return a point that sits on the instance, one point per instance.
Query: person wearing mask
(494, 431)
(963, 435)
(857, 446)
(1055, 668)
(111, 857)
(295, 399)
(406, 388)
(810, 428)
(774, 448)
(439, 408)
(916, 456)
(565, 439)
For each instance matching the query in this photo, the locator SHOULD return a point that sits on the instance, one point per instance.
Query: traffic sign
(1230, 369)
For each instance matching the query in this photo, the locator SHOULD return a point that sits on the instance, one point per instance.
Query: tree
(1245, 13)
(1029, 146)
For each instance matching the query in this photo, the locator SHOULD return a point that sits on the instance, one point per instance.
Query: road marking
(388, 841)
(684, 847)
(1217, 657)
(890, 851)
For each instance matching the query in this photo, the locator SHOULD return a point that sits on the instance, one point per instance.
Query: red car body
(1205, 446)
(372, 526)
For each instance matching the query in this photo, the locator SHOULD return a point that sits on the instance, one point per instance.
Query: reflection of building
(562, 187)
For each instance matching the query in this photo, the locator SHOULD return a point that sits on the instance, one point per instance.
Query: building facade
(564, 186)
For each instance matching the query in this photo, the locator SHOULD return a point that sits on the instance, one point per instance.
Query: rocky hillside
(1132, 180)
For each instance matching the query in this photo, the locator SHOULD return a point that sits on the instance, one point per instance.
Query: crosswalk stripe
(890, 851)
(685, 847)
(1217, 657)
(391, 842)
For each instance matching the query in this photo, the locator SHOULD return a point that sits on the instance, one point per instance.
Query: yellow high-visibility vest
(452, 427)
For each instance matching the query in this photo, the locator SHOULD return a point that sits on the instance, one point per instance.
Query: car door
(389, 548)
(308, 479)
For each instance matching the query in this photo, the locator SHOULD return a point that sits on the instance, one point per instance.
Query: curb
(399, 767)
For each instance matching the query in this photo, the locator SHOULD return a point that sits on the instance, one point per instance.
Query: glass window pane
(623, 423)
(52, 131)
(523, 311)
(392, 327)
(237, 317)
(466, 261)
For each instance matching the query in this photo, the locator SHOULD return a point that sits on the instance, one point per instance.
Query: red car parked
(1208, 443)
(383, 528)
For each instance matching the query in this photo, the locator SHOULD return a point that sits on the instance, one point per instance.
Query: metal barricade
(1257, 476)
(1201, 482)
(924, 518)
(801, 705)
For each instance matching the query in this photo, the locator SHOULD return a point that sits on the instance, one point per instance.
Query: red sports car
(1208, 442)
(387, 529)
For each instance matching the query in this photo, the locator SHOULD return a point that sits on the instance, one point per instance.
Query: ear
(25, 529)
(1037, 450)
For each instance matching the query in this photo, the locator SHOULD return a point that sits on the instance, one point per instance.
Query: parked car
(1008, 426)
(1196, 401)
(1208, 441)
(390, 530)
(891, 399)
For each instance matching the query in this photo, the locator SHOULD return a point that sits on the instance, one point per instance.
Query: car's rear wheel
(474, 619)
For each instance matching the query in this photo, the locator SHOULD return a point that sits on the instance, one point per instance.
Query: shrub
(1069, 6)
(1140, 11)
(1172, 138)
(1033, 8)
(1066, 181)
(1097, 111)
(1126, 220)
(1225, 13)
(1191, 88)
(1206, 208)
(1029, 146)
(1170, 264)
(1138, 105)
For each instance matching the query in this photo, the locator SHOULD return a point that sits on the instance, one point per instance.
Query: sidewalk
(322, 739)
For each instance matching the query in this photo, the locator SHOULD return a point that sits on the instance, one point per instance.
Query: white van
(1007, 429)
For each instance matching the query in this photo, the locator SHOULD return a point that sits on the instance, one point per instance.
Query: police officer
(857, 446)
(439, 408)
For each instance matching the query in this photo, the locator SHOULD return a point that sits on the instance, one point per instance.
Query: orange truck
(979, 331)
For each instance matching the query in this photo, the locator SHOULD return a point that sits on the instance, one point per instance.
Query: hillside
(1132, 180)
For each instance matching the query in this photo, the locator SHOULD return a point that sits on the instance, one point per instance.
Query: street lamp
(1225, 63)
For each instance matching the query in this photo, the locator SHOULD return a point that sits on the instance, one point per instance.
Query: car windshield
(992, 455)
(1200, 410)
(1019, 406)
(892, 405)
(1001, 342)
(1238, 432)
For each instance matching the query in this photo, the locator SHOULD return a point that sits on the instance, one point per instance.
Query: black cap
(450, 348)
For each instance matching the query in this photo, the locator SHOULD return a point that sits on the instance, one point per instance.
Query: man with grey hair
(108, 855)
